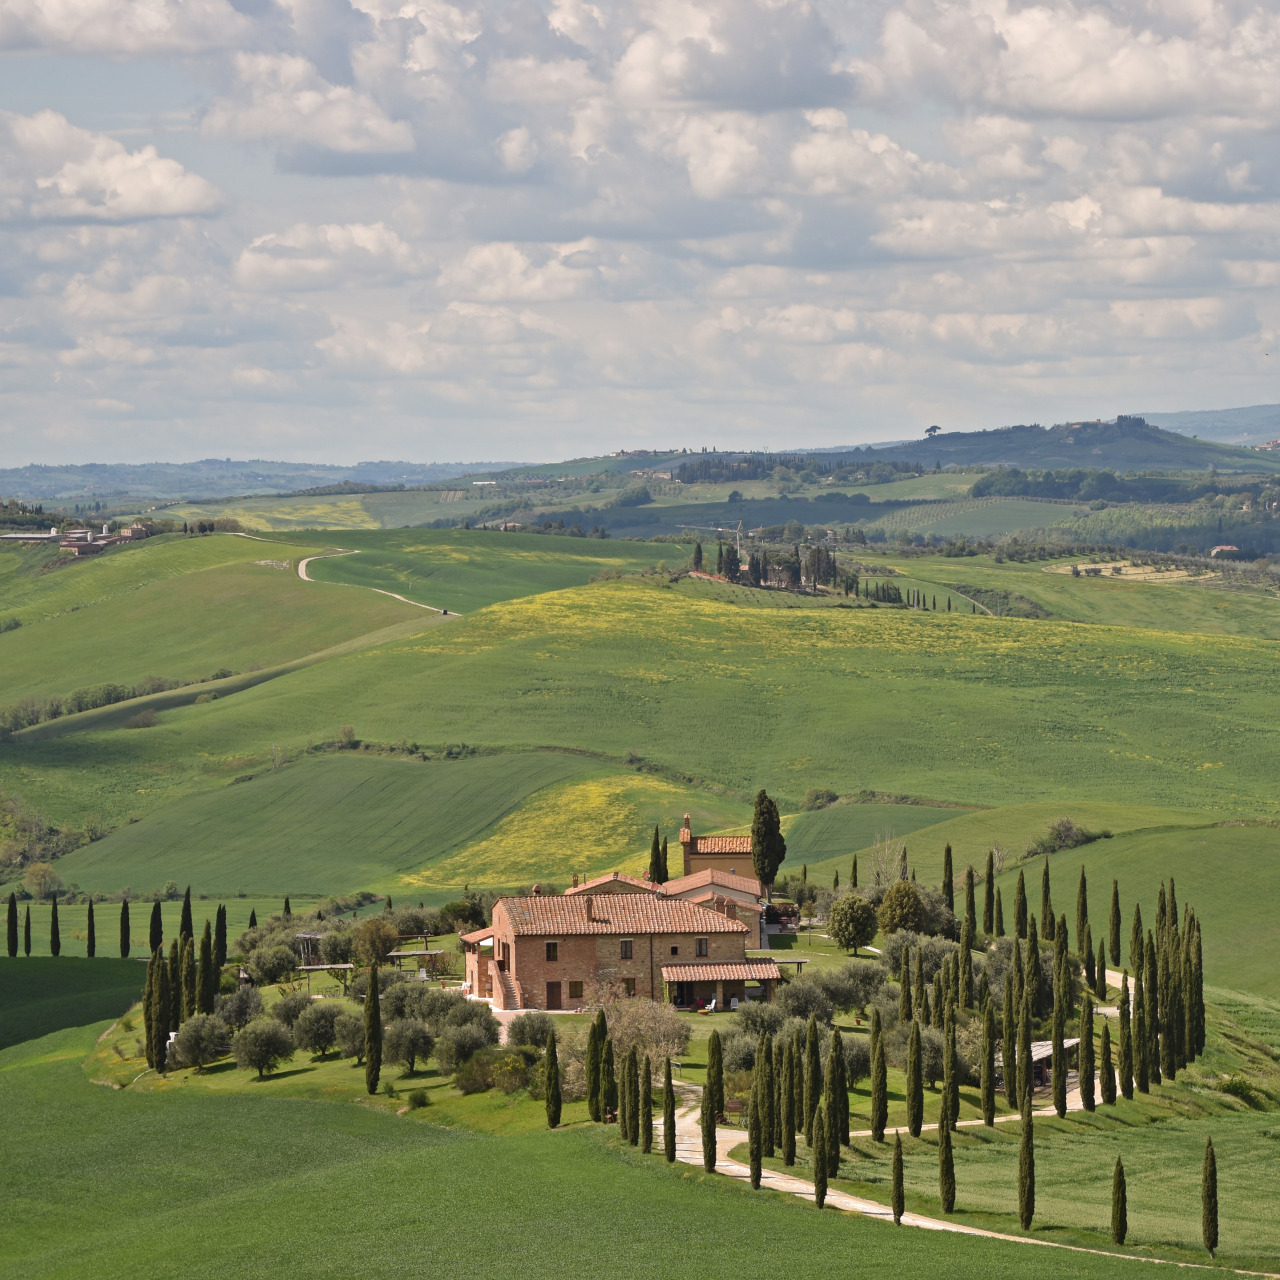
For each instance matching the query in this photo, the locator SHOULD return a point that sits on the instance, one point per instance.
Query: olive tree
(262, 1045)
(315, 1027)
(405, 1041)
(202, 1039)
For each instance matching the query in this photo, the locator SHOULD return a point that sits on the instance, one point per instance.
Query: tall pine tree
(1009, 1054)
(768, 848)
(755, 1142)
(91, 937)
(126, 941)
(1106, 1069)
(1113, 925)
(26, 931)
(715, 1074)
(915, 1083)
(1126, 1038)
(1082, 913)
(1119, 1205)
(646, 1105)
(372, 1034)
(668, 1115)
(1059, 1067)
(1020, 908)
(1046, 903)
(12, 925)
(1085, 1054)
(1027, 1167)
(185, 928)
(898, 1198)
(812, 1077)
(789, 1105)
(220, 937)
(1209, 1198)
(999, 932)
(948, 881)
(946, 1162)
(655, 859)
(988, 895)
(551, 1082)
(55, 934)
(156, 935)
(987, 1082)
(970, 907)
(708, 1131)
(208, 974)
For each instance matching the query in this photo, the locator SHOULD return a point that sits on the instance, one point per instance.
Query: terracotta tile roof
(477, 935)
(743, 884)
(721, 844)
(710, 895)
(735, 971)
(614, 877)
(612, 913)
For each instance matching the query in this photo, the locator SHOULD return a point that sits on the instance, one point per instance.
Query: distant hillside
(1129, 443)
(1256, 424)
(214, 478)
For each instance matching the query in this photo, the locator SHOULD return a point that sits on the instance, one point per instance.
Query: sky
(346, 229)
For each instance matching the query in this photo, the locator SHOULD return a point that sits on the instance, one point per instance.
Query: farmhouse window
(575, 991)
(675, 951)
(553, 951)
(629, 986)
(627, 948)
(701, 947)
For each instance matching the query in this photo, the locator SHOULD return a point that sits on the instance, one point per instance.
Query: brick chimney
(687, 843)
(537, 891)
(589, 901)
(575, 879)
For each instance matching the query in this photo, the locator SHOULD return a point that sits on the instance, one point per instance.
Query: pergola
(343, 971)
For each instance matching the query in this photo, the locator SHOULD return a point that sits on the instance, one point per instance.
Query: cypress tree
(55, 935)
(708, 1131)
(655, 860)
(592, 1067)
(1119, 1205)
(946, 1162)
(148, 1001)
(988, 895)
(1085, 1055)
(1151, 985)
(999, 915)
(1059, 1067)
(1035, 975)
(1107, 1070)
(789, 1106)
(754, 1143)
(1100, 970)
(12, 925)
(950, 1071)
(917, 990)
(853, 879)
(818, 1157)
(91, 942)
(904, 988)
(984, 988)
(609, 1083)
(1135, 940)
(915, 1084)
(929, 1014)
(668, 1115)
(1188, 1012)
(837, 1091)
(1113, 926)
(970, 906)
(253, 918)
(948, 882)
(26, 931)
(187, 969)
(1025, 1076)
(798, 1043)
(220, 937)
(1046, 903)
(207, 989)
(372, 1034)
(632, 1073)
(1141, 1061)
(185, 928)
(624, 1097)
(1197, 973)
(768, 1095)
(987, 1084)
(161, 1021)
(779, 1083)
(715, 1073)
(812, 1077)
(1020, 907)
(1009, 1055)
(1126, 1038)
(1162, 913)
(1209, 1198)
(1027, 1167)
(1082, 913)
(551, 1067)
(965, 961)
(646, 1106)
(897, 1180)
(1086, 957)
(288, 911)
(879, 1093)
(125, 939)
(156, 936)
(1061, 972)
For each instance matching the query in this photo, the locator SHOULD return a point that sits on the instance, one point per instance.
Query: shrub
(819, 798)
(1063, 833)
(901, 908)
(387, 978)
(428, 1004)
(530, 1028)
(145, 719)
(805, 996)
(854, 985)
(406, 1040)
(515, 1069)
(458, 1045)
(652, 1028)
(271, 964)
(288, 1008)
(738, 1050)
(418, 1099)
(315, 1028)
(240, 1006)
(348, 1030)
(756, 1016)
(375, 938)
(200, 1040)
(475, 1014)
(262, 1045)
(475, 1074)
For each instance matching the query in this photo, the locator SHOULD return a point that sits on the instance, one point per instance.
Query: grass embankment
(39, 995)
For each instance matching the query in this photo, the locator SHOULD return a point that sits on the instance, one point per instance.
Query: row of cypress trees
(155, 938)
(625, 1094)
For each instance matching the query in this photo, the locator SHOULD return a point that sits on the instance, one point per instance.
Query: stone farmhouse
(555, 952)
(731, 854)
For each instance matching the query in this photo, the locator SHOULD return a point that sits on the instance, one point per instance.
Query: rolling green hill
(41, 994)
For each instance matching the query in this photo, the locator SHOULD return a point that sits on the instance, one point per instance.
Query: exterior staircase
(506, 991)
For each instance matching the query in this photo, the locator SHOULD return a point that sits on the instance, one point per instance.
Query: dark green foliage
(646, 1105)
(1209, 1198)
(754, 1142)
(207, 983)
(55, 934)
(715, 1074)
(1151, 986)
(987, 1081)
(156, 935)
(904, 989)
(915, 1083)
(1113, 925)
(1082, 913)
(26, 932)
(220, 937)
(819, 1157)
(1059, 1064)
(812, 1077)
(1024, 1049)
(766, 1090)
(988, 895)
(948, 880)
(624, 1097)
(946, 1161)
(1087, 1066)
(789, 1106)
(768, 848)
(964, 960)
(999, 922)
(837, 1092)
(187, 979)
(372, 1034)
(1135, 941)
(1020, 908)
(1087, 958)
(12, 924)
(91, 938)
(655, 860)
(161, 1014)
(950, 1069)
(253, 918)
(595, 1050)
(1126, 1039)
(1027, 1167)
(609, 1083)
(148, 1007)
(631, 1092)
(288, 911)
(185, 927)
(668, 1115)
(1106, 1069)
(970, 907)
(1197, 977)
(1009, 1047)
(1046, 904)
(779, 1079)
(879, 1092)
(1141, 1044)
(1100, 972)
(898, 1198)
(708, 1132)
(125, 939)
(1119, 1205)
(853, 876)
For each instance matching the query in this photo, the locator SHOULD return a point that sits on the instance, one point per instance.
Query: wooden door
(553, 995)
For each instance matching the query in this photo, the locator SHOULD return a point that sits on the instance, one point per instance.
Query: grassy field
(40, 995)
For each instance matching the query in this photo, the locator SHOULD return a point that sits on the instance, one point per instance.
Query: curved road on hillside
(330, 555)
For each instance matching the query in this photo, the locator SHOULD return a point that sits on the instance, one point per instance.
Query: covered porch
(695, 986)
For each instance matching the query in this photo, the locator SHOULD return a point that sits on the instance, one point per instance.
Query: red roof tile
(710, 895)
(721, 844)
(614, 877)
(735, 971)
(612, 913)
(476, 935)
(711, 876)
